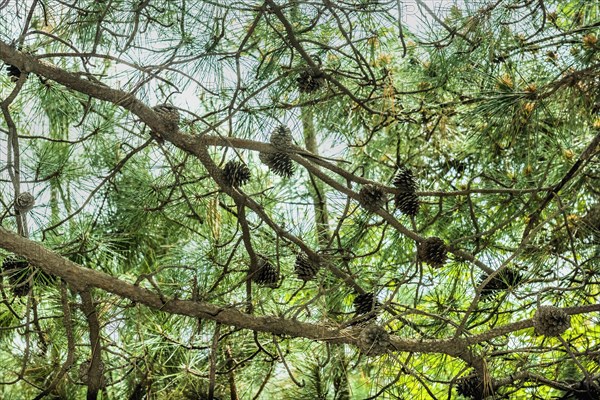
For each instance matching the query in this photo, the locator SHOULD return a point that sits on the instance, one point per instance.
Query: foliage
(485, 115)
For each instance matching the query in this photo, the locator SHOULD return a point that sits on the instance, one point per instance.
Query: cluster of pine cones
(406, 200)
(236, 173)
(372, 197)
(280, 162)
(267, 274)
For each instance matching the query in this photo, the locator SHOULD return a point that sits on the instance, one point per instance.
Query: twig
(213, 360)
(68, 322)
(95, 378)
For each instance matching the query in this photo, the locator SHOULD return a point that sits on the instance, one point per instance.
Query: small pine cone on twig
(407, 203)
(374, 340)
(372, 197)
(507, 278)
(305, 268)
(310, 81)
(281, 138)
(472, 387)
(13, 72)
(433, 251)
(407, 200)
(18, 272)
(266, 274)
(279, 163)
(24, 202)
(405, 180)
(365, 303)
(169, 115)
(551, 321)
(236, 173)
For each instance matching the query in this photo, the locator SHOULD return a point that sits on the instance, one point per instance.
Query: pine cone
(584, 391)
(507, 278)
(24, 202)
(471, 387)
(365, 303)
(407, 203)
(266, 274)
(12, 262)
(371, 197)
(281, 138)
(433, 252)
(279, 163)
(404, 180)
(374, 340)
(236, 173)
(305, 268)
(310, 81)
(407, 200)
(18, 273)
(13, 72)
(551, 321)
(170, 115)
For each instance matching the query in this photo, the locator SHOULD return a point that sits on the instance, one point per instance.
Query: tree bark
(339, 363)
(95, 377)
(317, 190)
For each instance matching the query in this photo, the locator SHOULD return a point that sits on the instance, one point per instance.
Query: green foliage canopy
(440, 185)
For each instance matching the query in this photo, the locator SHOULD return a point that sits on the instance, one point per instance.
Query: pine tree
(194, 197)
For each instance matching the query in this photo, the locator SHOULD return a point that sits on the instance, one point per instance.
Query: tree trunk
(340, 378)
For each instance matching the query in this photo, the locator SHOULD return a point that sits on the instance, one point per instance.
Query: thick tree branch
(28, 63)
(83, 278)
